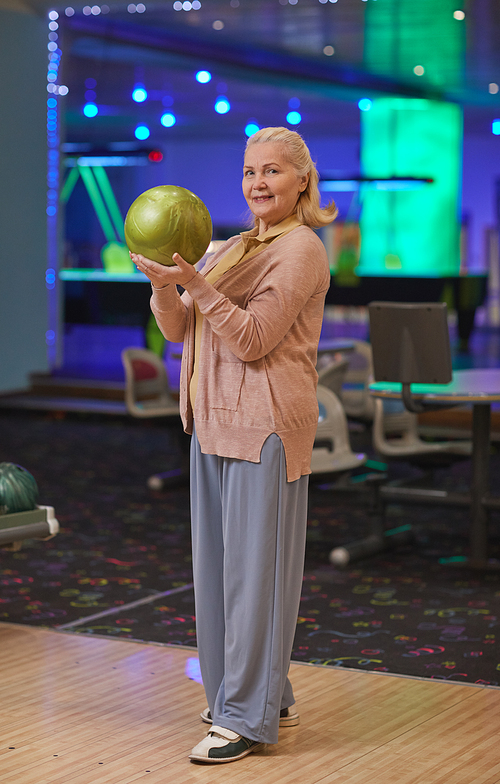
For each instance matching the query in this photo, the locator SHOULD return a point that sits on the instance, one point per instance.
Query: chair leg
(177, 477)
(379, 540)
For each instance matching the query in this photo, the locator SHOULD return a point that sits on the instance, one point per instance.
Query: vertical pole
(480, 482)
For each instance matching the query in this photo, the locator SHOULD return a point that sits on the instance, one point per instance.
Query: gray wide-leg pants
(248, 530)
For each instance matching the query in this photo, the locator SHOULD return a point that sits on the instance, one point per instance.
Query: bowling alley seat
(332, 453)
(148, 394)
(147, 391)
(395, 436)
(355, 395)
(332, 464)
(332, 372)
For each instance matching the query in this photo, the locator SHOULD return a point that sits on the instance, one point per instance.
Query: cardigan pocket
(227, 382)
(225, 376)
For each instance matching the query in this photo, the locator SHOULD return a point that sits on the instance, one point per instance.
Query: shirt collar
(253, 236)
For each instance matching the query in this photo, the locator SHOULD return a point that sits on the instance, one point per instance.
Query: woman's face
(270, 185)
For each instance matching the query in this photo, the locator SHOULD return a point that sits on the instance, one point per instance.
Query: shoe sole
(216, 760)
(285, 721)
(290, 721)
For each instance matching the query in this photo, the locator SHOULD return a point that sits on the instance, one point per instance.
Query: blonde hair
(295, 150)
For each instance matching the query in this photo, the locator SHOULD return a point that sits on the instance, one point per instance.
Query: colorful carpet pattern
(121, 564)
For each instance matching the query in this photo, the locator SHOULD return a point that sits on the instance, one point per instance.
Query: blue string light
(142, 132)
(139, 93)
(365, 104)
(294, 118)
(55, 90)
(203, 77)
(168, 119)
(90, 110)
(222, 105)
(251, 128)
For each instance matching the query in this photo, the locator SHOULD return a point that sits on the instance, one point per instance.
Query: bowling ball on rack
(18, 489)
(165, 220)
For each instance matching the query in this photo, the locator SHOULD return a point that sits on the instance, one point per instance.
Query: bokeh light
(139, 94)
(294, 118)
(203, 77)
(168, 119)
(251, 128)
(222, 105)
(90, 110)
(365, 104)
(142, 132)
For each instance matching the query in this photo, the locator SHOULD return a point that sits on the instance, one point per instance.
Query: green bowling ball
(167, 220)
(18, 489)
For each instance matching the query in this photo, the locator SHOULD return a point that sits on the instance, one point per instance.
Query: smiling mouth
(259, 199)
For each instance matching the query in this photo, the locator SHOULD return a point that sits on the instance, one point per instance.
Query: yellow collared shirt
(251, 243)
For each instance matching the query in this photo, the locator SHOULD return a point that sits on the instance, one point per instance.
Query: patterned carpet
(121, 564)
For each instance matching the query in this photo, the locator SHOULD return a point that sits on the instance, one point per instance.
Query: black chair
(410, 344)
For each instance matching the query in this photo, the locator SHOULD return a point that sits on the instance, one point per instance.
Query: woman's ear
(303, 182)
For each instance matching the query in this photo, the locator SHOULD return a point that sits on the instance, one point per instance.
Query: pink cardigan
(257, 376)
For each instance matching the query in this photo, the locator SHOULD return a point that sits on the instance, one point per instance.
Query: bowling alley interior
(395, 663)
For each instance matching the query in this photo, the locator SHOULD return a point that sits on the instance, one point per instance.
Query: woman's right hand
(160, 275)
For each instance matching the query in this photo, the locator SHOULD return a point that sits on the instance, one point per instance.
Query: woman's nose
(260, 181)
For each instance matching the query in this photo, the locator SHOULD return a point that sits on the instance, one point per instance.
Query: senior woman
(250, 322)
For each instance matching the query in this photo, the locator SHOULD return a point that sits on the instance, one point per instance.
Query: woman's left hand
(160, 275)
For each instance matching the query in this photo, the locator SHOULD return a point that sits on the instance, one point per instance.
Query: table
(330, 345)
(480, 388)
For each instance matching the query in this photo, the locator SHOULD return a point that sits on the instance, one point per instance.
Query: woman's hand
(160, 275)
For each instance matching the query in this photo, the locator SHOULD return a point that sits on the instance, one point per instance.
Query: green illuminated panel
(414, 232)
(403, 34)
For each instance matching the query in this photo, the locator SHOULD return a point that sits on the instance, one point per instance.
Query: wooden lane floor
(83, 710)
